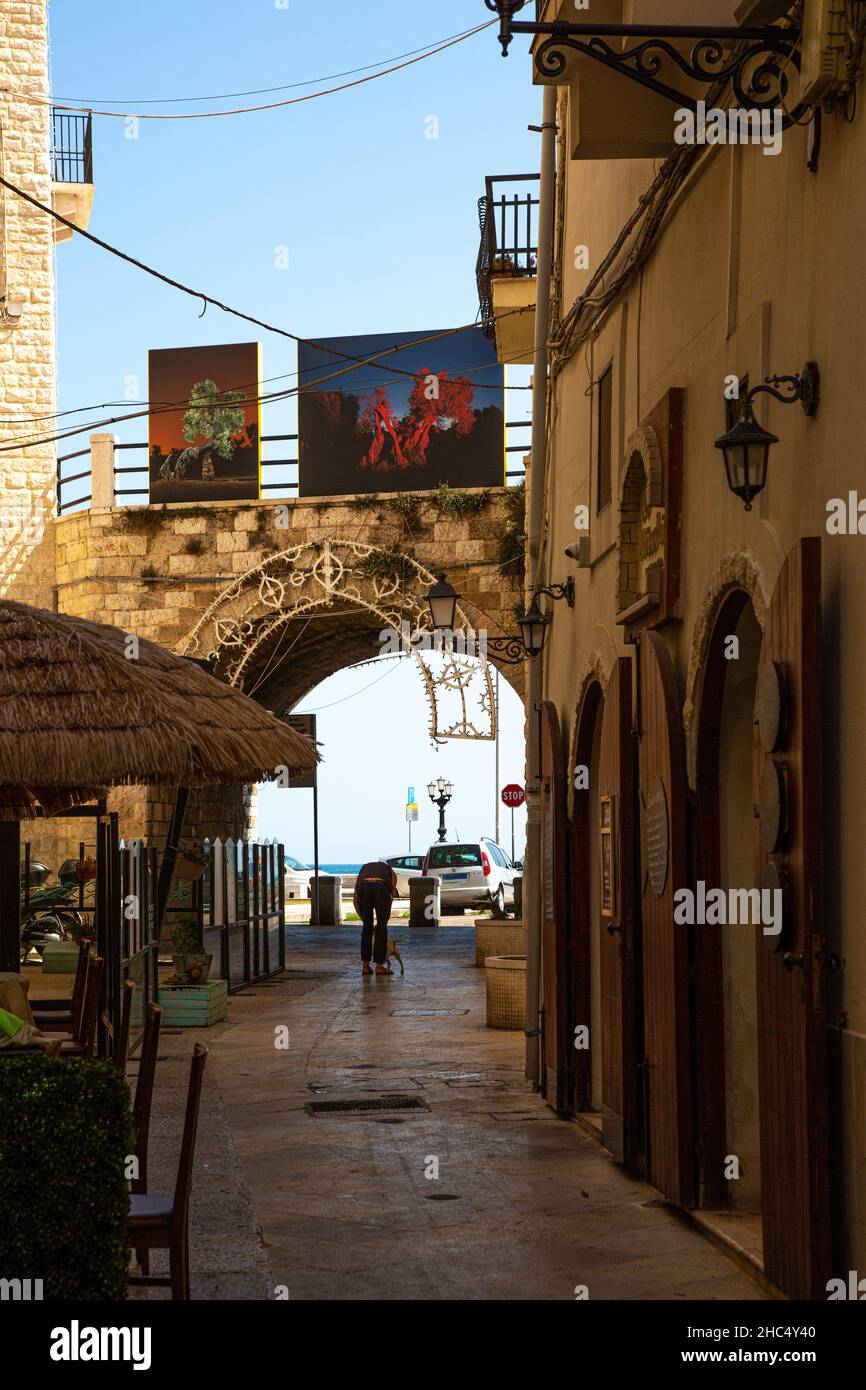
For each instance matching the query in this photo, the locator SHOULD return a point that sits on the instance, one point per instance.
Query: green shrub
(65, 1135)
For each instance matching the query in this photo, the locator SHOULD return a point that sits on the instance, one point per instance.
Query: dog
(394, 951)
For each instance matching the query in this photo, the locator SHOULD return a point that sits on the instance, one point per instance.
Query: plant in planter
(191, 962)
(190, 864)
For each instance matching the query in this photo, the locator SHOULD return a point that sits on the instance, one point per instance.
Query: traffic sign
(513, 796)
(412, 812)
(410, 799)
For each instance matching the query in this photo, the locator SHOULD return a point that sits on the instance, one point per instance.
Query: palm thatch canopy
(82, 707)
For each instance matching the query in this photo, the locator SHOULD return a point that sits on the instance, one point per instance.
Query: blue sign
(411, 797)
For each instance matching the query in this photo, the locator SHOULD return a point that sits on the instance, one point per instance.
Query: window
(498, 856)
(605, 439)
(454, 856)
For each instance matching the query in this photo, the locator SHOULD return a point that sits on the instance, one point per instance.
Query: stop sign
(513, 795)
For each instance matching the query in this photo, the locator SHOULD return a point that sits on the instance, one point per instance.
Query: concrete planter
(498, 938)
(506, 992)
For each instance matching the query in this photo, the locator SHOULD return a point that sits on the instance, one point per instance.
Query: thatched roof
(76, 713)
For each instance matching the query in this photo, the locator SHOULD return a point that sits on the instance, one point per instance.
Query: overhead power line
(210, 300)
(89, 102)
(248, 110)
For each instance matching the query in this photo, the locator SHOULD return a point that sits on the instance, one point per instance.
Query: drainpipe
(535, 516)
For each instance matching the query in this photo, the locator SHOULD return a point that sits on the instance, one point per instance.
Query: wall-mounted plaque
(607, 840)
(772, 807)
(775, 880)
(771, 705)
(657, 837)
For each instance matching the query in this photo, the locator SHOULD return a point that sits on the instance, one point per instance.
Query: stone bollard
(424, 902)
(328, 912)
(518, 898)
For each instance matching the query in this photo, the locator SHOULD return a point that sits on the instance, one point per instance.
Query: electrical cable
(89, 102)
(247, 110)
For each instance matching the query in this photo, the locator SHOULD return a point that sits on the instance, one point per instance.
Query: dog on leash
(394, 951)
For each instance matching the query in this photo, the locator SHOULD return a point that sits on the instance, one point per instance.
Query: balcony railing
(509, 237)
(71, 147)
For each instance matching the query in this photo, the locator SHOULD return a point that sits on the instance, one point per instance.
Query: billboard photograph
(430, 413)
(205, 423)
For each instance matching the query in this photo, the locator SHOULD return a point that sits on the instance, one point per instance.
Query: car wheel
(499, 901)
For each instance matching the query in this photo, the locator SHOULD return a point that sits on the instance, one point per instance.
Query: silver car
(405, 866)
(474, 874)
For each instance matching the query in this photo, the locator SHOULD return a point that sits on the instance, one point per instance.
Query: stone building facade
(27, 372)
(701, 711)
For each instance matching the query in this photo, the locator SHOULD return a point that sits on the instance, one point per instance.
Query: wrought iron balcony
(71, 147)
(509, 238)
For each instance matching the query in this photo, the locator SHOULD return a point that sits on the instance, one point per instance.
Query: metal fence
(239, 905)
(67, 498)
(71, 147)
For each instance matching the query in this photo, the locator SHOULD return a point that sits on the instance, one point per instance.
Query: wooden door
(666, 1065)
(579, 950)
(618, 934)
(792, 1066)
(554, 905)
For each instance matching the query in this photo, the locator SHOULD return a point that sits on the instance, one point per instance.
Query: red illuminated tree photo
(437, 404)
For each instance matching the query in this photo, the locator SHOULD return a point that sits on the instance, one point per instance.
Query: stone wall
(27, 386)
(153, 571)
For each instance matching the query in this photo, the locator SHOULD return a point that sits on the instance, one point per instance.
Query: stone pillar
(329, 911)
(424, 907)
(102, 456)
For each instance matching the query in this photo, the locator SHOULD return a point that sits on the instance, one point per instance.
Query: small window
(604, 458)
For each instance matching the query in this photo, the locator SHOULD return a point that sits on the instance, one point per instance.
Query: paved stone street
(339, 1206)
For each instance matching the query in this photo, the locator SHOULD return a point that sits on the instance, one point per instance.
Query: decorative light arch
(285, 586)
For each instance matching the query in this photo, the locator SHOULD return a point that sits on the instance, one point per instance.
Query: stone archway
(243, 630)
(739, 570)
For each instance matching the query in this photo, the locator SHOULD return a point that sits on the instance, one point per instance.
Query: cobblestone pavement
(344, 1205)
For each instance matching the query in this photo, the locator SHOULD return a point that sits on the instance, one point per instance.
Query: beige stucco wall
(26, 273)
(760, 268)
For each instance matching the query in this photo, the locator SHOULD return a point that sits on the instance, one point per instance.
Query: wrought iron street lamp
(753, 59)
(442, 600)
(440, 793)
(746, 446)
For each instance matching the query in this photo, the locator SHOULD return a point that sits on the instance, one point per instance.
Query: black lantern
(533, 628)
(746, 451)
(443, 604)
(746, 446)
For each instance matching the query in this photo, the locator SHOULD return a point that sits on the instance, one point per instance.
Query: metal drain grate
(365, 1107)
(401, 1085)
(428, 1013)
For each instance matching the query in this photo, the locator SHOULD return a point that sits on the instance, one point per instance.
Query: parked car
(405, 866)
(297, 878)
(474, 874)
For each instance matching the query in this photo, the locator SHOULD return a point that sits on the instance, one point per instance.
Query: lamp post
(746, 446)
(445, 792)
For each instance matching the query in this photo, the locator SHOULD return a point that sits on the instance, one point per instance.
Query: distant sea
(340, 868)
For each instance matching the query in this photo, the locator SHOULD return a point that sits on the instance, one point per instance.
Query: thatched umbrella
(85, 706)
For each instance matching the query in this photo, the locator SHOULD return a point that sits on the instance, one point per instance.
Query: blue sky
(376, 224)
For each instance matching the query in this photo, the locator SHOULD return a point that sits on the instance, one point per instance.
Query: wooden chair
(142, 1106)
(162, 1223)
(122, 1053)
(82, 1043)
(62, 1014)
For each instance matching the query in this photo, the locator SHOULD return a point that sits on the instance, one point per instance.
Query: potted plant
(190, 864)
(191, 963)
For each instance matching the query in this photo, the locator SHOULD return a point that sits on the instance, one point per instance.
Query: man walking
(375, 887)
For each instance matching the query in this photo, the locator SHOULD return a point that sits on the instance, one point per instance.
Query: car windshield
(291, 863)
(454, 856)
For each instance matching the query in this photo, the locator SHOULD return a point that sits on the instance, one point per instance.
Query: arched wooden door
(666, 1066)
(554, 906)
(792, 1065)
(618, 936)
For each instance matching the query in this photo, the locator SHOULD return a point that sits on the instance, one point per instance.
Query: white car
(474, 874)
(297, 878)
(405, 866)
